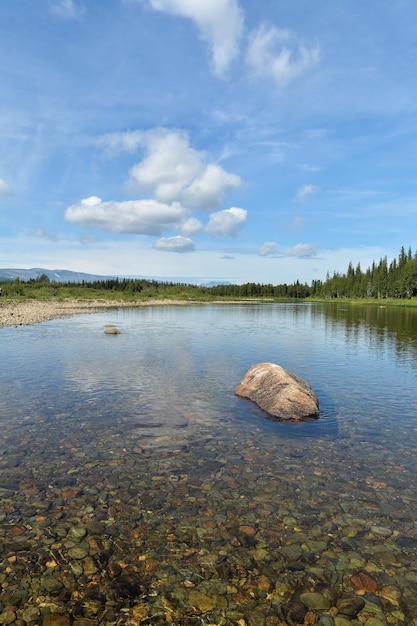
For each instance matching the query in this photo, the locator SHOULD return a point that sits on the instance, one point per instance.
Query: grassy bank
(143, 291)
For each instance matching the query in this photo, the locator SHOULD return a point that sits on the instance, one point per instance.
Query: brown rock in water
(363, 581)
(283, 395)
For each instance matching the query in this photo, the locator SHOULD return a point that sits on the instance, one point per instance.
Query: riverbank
(22, 313)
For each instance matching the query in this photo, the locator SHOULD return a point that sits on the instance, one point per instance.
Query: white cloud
(175, 172)
(308, 168)
(268, 248)
(208, 190)
(277, 54)
(67, 9)
(301, 250)
(191, 227)
(175, 244)
(227, 223)
(304, 192)
(115, 143)
(220, 23)
(5, 189)
(146, 217)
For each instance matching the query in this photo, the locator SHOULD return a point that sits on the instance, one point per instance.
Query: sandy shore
(36, 311)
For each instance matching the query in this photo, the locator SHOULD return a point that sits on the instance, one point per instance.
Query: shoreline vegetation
(41, 299)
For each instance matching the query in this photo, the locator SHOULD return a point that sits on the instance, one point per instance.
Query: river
(136, 488)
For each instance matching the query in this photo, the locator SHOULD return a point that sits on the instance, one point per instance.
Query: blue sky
(231, 140)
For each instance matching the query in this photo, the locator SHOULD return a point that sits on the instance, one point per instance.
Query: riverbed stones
(283, 395)
(216, 527)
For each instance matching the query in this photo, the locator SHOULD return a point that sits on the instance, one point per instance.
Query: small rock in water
(201, 601)
(364, 582)
(314, 600)
(350, 606)
(111, 330)
(407, 542)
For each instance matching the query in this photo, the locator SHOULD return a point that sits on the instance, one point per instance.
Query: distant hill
(64, 276)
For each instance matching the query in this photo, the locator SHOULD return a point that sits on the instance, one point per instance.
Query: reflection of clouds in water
(125, 365)
(143, 383)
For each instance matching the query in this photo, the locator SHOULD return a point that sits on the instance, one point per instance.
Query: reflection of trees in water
(381, 327)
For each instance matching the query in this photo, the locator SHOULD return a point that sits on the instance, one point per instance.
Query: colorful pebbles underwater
(135, 488)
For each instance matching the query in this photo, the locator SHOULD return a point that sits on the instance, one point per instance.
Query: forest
(394, 280)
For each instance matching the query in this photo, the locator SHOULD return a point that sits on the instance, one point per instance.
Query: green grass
(18, 291)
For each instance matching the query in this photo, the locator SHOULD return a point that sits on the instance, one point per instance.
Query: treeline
(394, 280)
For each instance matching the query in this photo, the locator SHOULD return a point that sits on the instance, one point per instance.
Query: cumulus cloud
(176, 172)
(220, 24)
(177, 180)
(191, 227)
(304, 192)
(276, 53)
(227, 223)
(145, 217)
(67, 9)
(175, 244)
(268, 248)
(5, 189)
(301, 250)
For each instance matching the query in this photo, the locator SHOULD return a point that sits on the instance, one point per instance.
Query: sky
(199, 140)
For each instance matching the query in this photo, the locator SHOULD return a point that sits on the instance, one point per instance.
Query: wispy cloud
(44, 234)
(308, 168)
(89, 239)
(219, 23)
(5, 189)
(276, 53)
(305, 192)
(67, 9)
(268, 248)
(297, 223)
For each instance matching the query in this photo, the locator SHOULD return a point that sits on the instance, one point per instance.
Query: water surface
(136, 488)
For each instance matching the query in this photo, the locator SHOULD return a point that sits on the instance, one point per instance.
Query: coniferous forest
(394, 280)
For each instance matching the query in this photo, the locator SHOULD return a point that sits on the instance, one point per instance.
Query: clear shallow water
(135, 486)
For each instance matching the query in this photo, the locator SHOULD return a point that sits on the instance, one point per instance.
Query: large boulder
(283, 395)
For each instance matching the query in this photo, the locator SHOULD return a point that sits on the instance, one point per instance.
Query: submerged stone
(280, 393)
(314, 600)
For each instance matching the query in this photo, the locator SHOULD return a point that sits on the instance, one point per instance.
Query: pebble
(314, 600)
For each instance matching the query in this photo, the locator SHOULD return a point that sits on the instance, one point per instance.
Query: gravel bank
(36, 311)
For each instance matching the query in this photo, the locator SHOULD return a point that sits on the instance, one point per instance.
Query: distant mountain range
(64, 276)
(67, 276)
